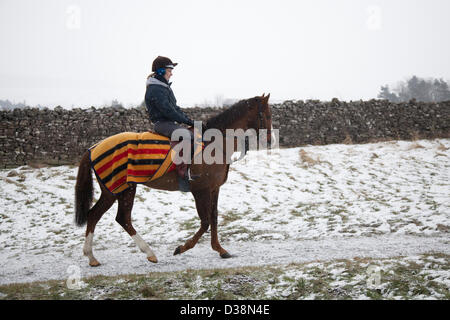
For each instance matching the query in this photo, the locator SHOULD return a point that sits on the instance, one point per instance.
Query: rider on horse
(163, 110)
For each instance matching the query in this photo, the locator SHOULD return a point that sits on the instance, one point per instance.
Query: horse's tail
(84, 190)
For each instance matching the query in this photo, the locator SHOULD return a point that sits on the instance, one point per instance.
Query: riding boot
(182, 176)
(190, 175)
(185, 175)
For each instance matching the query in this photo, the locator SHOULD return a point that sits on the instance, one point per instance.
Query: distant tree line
(8, 105)
(426, 90)
(432, 90)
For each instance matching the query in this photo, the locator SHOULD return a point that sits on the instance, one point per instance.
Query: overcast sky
(85, 53)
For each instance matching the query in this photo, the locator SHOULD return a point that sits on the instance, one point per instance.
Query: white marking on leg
(143, 246)
(87, 249)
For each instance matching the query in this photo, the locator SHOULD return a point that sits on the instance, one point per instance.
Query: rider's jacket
(161, 103)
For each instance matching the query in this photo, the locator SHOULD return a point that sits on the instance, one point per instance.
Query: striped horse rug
(131, 157)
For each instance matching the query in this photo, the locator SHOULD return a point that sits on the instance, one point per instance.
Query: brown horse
(253, 113)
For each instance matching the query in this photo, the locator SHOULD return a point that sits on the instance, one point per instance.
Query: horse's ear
(263, 95)
(266, 98)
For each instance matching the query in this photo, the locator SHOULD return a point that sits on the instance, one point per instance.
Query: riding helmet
(162, 62)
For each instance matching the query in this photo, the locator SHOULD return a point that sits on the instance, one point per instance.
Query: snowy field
(315, 203)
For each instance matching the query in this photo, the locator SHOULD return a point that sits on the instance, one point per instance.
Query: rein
(260, 114)
(261, 126)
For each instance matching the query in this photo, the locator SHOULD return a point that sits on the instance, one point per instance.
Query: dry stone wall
(59, 136)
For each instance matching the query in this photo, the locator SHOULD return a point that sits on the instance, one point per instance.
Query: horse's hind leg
(95, 213)
(202, 202)
(213, 220)
(126, 199)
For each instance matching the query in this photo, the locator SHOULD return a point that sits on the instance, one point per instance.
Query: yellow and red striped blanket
(131, 157)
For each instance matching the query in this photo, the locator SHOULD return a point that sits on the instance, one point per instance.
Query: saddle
(131, 157)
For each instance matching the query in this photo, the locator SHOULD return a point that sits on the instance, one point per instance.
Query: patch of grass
(302, 209)
(307, 160)
(441, 147)
(148, 292)
(415, 145)
(296, 213)
(348, 139)
(229, 216)
(443, 228)
(374, 294)
(190, 224)
(216, 293)
(247, 234)
(399, 277)
(247, 178)
(139, 198)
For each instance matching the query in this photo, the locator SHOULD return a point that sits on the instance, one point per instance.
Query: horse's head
(253, 113)
(260, 116)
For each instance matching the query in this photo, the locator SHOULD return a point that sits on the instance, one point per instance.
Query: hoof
(225, 255)
(152, 259)
(94, 263)
(177, 251)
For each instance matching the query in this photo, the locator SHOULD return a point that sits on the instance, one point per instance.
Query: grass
(139, 198)
(307, 160)
(190, 224)
(441, 147)
(230, 216)
(400, 278)
(415, 145)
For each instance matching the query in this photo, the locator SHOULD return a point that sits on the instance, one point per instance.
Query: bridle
(261, 123)
(260, 115)
(261, 126)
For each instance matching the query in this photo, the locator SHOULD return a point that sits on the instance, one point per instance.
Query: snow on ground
(376, 193)
(416, 277)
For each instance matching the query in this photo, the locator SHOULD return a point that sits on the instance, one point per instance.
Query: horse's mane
(229, 116)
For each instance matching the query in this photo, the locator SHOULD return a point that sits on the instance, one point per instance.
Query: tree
(8, 105)
(431, 90)
(440, 90)
(116, 103)
(387, 94)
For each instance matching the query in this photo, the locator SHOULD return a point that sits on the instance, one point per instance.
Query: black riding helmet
(162, 62)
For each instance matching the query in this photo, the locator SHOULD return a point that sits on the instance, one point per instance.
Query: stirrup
(192, 177)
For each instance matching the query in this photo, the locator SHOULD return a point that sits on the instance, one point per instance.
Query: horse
(253, 113)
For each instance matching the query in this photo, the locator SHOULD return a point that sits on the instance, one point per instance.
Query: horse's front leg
(203, 204)
(213, 220)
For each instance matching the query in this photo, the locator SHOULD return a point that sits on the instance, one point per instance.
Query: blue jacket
(161, 103)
